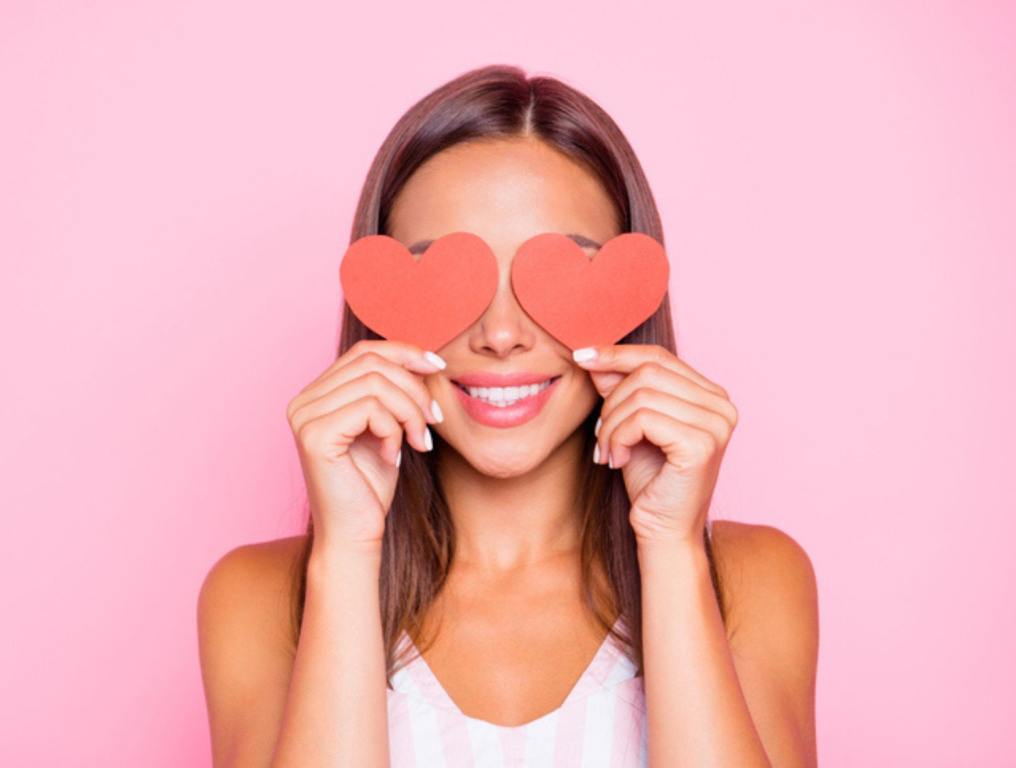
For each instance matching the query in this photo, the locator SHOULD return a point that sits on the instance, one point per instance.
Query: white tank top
(602, 722)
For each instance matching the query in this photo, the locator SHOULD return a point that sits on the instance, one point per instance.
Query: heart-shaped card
(426, 301)
(580, 301)
(584, 301)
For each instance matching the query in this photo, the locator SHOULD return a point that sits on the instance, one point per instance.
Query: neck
(510, 523)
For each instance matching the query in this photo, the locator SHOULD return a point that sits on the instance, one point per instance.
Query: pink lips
(504, 416)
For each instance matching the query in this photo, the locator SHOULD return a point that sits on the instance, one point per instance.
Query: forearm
(697, 713)
(336, 710)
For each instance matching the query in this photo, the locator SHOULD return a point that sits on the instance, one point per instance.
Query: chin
(504, 466)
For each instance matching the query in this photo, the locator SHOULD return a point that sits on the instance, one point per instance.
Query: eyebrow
(583, 241)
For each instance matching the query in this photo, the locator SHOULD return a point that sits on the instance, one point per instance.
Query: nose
(504, 328)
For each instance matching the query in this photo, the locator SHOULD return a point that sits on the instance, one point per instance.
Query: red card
(580, 301)
(583, 301)
(427, 301)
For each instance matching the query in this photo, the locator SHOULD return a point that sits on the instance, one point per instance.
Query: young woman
(536, 583)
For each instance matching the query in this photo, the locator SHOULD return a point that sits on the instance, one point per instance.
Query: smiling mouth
(503, 397)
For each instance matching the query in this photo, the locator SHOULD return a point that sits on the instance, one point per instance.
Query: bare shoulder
(245, 646)
(759, 564)
(253, 582)
(762, 569)
(773, 627)
(270, 559)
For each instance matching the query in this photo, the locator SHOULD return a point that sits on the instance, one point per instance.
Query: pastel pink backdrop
(837, 187)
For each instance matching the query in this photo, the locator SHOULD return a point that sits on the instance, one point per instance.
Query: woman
(536, 584)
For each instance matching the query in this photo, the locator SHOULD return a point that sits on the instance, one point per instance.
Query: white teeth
(505, 396)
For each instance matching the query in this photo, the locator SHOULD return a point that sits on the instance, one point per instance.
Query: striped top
(602, 722)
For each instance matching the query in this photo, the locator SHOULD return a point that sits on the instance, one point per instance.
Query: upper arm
(245, 652)
(773, 634)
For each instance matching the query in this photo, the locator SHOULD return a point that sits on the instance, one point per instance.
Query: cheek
(583, 395)
(437, 384)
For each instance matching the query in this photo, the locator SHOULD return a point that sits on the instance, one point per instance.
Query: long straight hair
(500, 102)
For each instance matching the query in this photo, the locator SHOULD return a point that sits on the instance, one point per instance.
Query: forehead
(505, 191)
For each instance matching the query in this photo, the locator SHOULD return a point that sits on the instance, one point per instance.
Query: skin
(509, 633)
(514, 587)
(511, 491)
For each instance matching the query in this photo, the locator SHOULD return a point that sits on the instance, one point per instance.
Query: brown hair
(494, 102)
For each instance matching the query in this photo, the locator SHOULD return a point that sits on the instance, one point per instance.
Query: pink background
(836, 182)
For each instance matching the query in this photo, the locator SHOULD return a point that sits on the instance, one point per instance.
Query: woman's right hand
(348, 425)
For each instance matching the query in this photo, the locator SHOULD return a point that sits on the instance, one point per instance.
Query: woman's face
(506, 191)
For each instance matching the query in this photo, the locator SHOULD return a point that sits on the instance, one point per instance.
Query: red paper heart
(426, 301)
(584, 301)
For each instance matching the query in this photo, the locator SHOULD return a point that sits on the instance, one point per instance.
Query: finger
(364, 363)
(682, 443)
(409, 381)
(605, 381)
(404, 408)
(664, 403)
(401, 353)
(652, 375)
(626, 357)
(331, 433)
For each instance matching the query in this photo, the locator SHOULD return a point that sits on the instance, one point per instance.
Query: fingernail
(586, 353)
(596, 429)
(436, 410)
(435, 359)
(427, 439)
(596, 454)
(398, 458)
(610, 460)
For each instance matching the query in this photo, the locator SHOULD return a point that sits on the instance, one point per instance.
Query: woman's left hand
(666, 427)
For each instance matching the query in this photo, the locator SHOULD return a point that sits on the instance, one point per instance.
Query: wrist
(670, 551)
(683, 541)
(329, 556)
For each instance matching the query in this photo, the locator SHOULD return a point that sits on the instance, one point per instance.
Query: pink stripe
(644, 745)
(571, 725)
(513, 745)
(626, 722)
(423, 682)
(604, 664)
(400, 734)
(458, 750)
(454, 733)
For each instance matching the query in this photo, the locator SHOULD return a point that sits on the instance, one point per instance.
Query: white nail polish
(596, 454)
(427, 439)
(398, 458)
(436, 410)
(435, 359)
(586, 353)
(610, 460)
(596, 429)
